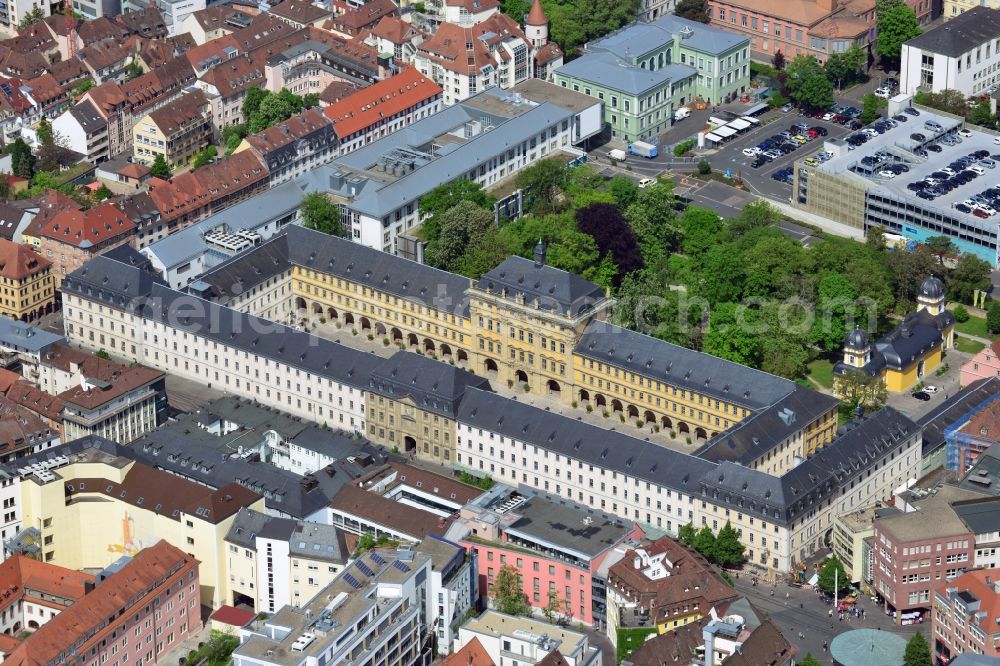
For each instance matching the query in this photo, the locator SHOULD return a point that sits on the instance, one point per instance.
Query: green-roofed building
(646, 70)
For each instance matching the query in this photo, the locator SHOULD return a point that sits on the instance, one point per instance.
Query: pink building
(967, 616)
(807, 27)
(916, 551)
(983, 365)
(557, 547)
(134, 616)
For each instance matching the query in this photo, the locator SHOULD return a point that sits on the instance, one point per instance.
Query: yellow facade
(403, 424)
(953, 8)
(897, 381)
(513, 343)
(674, 622)
(177, 144)
(30, 296)
(91, 530)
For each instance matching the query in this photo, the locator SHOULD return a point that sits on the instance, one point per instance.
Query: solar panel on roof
(352, 581)
(365, 569)
(377, 558)
(402, 567)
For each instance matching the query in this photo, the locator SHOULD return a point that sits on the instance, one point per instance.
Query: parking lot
(759, 180)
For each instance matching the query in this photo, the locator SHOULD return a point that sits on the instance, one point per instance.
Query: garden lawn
(976, 326)
(968, 346)
(821, 370)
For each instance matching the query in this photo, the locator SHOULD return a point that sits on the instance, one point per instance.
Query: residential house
(71, 237)
(531, 639)
(213, 22)
(311, 66)
(300, 13)
(105, 61)
(454, 587)
(352, 24)
(177, 131)
(28, 285)
(383, 108)
(960, 55)
(225, 86)
(37, 592)
(151, 598)
(85, 131)
(966, 617)
(396, 37)
(294, 146)
(468, 12)
(123, 177)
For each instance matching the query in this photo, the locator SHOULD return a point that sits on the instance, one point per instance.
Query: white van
(681, 113)
(617, 154)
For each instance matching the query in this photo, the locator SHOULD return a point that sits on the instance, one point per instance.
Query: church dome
(932, 288)
(856, 339)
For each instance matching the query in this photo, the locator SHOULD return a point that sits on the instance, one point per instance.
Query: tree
(694, 10)
(810, 661)
(613, 235)
(969, 275)
(704, 542)
(941, 247)
(484, 255)
(801, 69)
(508, 596)
(960, 313)
(918, 652)
(321, 214)
(233, 135)
(134, 70)
(310, 100)
(778, 60)
(832, 576)
(993, 317)
(869, 108)
(835, 311)
(461, 225)
(686, 534)
(34, 15)
(443, 197)
(252, 100)
(816, 92)
(102, 193)
(82, 87)
(728, 336)
(51, 151)
(859, 389)
(553, 607)
(728, 551)
(949, 101)
(883, 6)
(542, 181)
(896, 26)
(22, 160)
(160, 168)
(207, 156)
(981, 115)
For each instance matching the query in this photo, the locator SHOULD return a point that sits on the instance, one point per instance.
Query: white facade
(459, 14)
(10, 506)
(69, 127)
(176, 11)
(273, 589)
(973, 72)
(530, 639)
(202, 359)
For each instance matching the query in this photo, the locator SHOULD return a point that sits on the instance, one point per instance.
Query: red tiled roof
(394, 29)
(288, 131)
(20, 261)
(299, 11)
(31, 397)
(472, 654)
(134, 170)
(173, 115)
(7, 379)
(236, 617)
(448, 45)
(132, 583)
(537, 15)
(87, 228)
(365, 16)
(22, 576)
(380, 100)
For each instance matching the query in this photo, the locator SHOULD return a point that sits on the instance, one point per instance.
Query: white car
(931, 389)
(965, 133)
(996, 141)
(886, 174)
(646, 182)
(751, 152)
(986, 209)
(828, 116)
(884, 93)
(947, 170)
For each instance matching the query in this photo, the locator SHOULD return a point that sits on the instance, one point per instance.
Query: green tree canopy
(869, 108)
(694, 10)
(321, 214)
(941, 247)
(34, 15)
(993, 317)
(896, 26)
(160, 168)
(22, 159)
(833, 577)
(704, 542)
(543, 180)
(728, 551)
(686, 534)
(508, 595)
(206, 156)
(461, 225)
(970, 274)
(918, 652)
(810, 661)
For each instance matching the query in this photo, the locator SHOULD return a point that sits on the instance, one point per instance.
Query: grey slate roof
(379, 270)
(588, 443)
(552, 289)
(86, 114)
(244, 271)
(246, 525)
(306, 539)
(378, 194)
(935, 422)
(248, 215)
(603, 68)
(431, 385)
(753, 437)
(918, 333)
(984, 475)
(108, 281)
(19, 335)
(682, 367)
(962, 33)
(783, 499)
(982, 516)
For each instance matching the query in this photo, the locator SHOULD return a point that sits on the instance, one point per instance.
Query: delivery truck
(617, 154)
(642, 149)
(681, 113)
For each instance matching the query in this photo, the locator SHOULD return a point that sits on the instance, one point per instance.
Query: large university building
(769, 459)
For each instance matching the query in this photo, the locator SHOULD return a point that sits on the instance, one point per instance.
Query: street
(806, 613)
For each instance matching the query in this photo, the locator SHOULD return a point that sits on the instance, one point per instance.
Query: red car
(812, 134)
(979, 213)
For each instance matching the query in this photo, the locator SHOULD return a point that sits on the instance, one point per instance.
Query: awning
(751, 119)
(739, 124)
(814, 579)
(725, 131)
(757, 108)
(711, 136)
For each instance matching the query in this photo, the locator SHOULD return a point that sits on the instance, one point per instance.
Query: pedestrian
(772, 591)
(829, 613)
(824, 646)
(786, 595)
(801, 636)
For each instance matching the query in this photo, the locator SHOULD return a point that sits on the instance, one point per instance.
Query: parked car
(901, 117)
(885, 173)
(965, 133)
(646, 182)
(921, 395)
(884, 93)
(933, 147)
(931, 389)
(750, 152)
(788, 107)
(910, 111)
(933, 126)
(917, 136)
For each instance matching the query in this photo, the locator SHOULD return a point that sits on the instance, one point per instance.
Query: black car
(924, 194)
(962, 208)
(917, 136)
(933, 147)
(758, 162)
(981, 154)
(922, 395)
(911, 111)
(855, 124)
(900, 118)
(821, 131)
